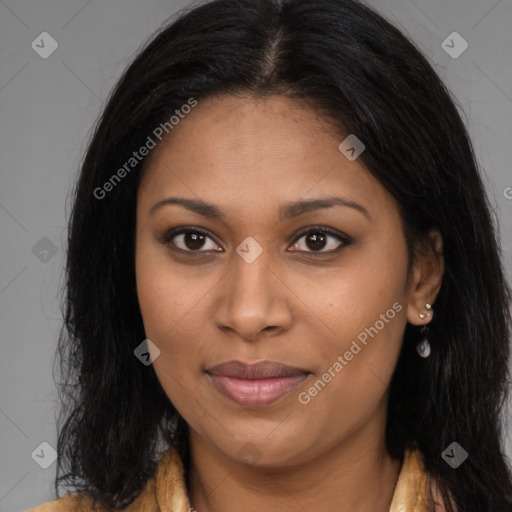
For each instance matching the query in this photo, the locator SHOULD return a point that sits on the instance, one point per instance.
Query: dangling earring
(423, 347)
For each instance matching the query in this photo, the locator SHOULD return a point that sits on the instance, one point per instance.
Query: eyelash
(344, 239)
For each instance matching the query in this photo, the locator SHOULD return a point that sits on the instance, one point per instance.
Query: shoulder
(439, 504)
(167, 476)
(416, 490)
(72, 502)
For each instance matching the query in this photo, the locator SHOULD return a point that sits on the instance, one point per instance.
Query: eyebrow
(286, 211)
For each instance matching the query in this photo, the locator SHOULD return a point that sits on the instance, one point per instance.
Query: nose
(254, 299)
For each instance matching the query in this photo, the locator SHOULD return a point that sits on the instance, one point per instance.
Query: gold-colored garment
(166, 490)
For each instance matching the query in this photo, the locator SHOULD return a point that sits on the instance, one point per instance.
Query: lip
(258, 384)
(260, 370)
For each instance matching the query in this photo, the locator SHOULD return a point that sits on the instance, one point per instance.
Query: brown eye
(191, 240)
(316, 240)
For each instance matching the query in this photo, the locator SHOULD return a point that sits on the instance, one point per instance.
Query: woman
(284, 289)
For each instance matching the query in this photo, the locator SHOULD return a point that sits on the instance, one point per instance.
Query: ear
(426, 277)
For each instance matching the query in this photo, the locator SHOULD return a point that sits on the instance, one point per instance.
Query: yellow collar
(166, 490)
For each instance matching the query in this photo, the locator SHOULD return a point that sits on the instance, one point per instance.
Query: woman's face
(268, 282)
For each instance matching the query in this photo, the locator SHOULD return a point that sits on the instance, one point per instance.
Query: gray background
(47, 109)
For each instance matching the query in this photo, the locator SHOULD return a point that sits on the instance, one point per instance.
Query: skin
(248, 157)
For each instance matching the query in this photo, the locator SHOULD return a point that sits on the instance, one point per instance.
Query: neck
(357, 474)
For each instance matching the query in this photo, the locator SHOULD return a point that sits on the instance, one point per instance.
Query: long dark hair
(350, 64)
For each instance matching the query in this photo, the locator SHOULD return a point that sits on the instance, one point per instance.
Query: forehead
(242, 151)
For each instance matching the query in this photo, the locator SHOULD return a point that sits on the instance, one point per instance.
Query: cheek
(364, 347)
(166, 315)
(173, 314)
(364, 305)
(169, 317)
(366, 296)
(165, 294)
(355, 368)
